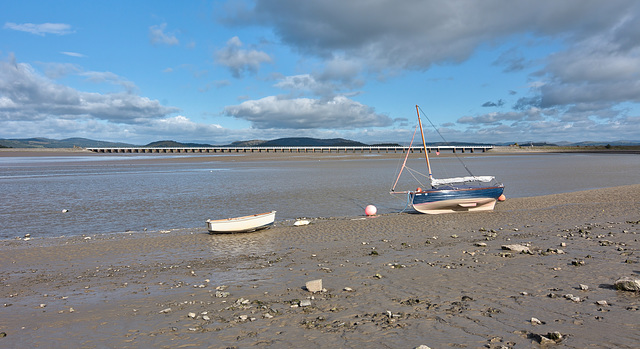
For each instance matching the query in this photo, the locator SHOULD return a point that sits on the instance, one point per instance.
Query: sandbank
(399, 280)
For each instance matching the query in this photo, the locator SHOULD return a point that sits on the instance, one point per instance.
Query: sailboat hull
(436, 201)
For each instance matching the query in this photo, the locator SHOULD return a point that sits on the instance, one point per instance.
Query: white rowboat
(241, 224)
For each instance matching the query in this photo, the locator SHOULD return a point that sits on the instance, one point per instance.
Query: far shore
(498, 150)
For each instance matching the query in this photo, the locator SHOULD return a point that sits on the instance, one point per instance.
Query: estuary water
(122, 193)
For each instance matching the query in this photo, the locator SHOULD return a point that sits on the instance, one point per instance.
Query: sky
(215, 72)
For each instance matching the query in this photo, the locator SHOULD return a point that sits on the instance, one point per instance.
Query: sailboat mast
(424, 144)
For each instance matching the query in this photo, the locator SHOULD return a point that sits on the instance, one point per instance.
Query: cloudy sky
(221, 71)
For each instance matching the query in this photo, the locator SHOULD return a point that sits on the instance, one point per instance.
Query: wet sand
(393, 281)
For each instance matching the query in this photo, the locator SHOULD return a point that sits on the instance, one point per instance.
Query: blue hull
(435, 201)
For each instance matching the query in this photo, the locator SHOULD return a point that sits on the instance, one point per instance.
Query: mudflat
(399, 280)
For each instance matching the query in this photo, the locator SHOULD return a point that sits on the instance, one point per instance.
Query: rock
(314, 285)
(517, 248)
(301, 222)
(422, 347)
(627, 284)
(65, 211)
(165, 311)
(603, 303)
(480, 244)
(555, 336)
(546, 341)
(347, 289)
(222, 294)
(192, 315)
(535, 321)
(584, 287)
(305, 303)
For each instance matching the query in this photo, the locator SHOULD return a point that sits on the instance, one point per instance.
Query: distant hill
(174, 144)
(299, 142)
(55, 143)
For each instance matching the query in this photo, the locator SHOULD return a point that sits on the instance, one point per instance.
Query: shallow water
(117, 193)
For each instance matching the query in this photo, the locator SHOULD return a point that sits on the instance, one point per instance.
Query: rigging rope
(446, 142)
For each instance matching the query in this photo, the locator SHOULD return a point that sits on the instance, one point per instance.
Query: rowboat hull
(241, 224)
(437, 201)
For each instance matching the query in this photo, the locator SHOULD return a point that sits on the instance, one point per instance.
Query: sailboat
(458, 194)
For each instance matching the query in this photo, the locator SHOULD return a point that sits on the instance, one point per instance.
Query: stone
(584, 287)
(602, 303)
(314, 285)
(480, 244)
(517, 248)
(422, 347)
(555, 336)
(305, 303)
(192, 315)
(535, 321)
(165, 311)
(627, 284)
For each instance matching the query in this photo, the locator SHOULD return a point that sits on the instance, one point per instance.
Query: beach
(397, 280)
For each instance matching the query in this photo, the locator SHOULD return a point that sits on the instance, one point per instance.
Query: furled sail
(443, 181)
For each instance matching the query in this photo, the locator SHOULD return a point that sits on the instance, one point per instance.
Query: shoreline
(435, 280)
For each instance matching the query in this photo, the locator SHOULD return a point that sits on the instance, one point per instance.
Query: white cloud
(29, 96)
(239, 60)
(41, 29)
(158, 36)
(305, 113)
(73, 54)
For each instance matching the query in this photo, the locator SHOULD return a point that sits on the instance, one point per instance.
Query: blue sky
(221, 71)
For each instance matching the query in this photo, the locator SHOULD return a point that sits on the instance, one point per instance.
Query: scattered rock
(222, 294)
(627, 284)
(535, 321)
(517, 248)
(314, 285)
(301, 222)
(305, 303)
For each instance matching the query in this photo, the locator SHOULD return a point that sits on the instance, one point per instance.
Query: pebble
(584, 287)
(165, 311)
(480, 244)
(347, 289)
(192, 315)
(314, 285)
(305, 303)
(517, 248)
(535, 321)
(603, 303)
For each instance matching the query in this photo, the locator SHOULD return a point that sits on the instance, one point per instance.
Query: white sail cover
(442, 181)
